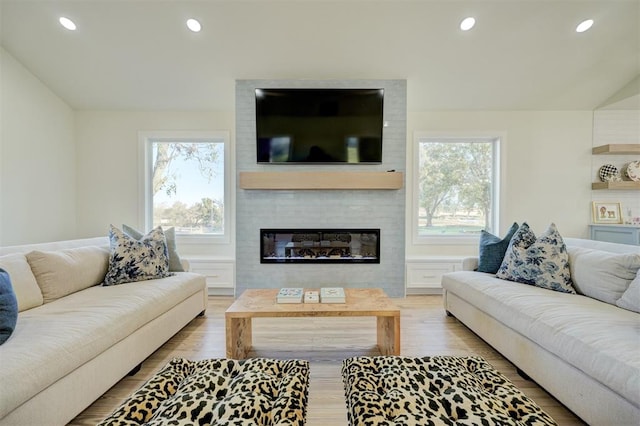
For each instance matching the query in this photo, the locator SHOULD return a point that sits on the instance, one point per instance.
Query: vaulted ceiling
(139, 54)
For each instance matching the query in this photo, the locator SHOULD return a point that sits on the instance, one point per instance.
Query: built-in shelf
(321, 180)
(616, 185)
(616, 149)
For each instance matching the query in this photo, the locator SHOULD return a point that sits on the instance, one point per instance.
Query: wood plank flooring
(325, 342)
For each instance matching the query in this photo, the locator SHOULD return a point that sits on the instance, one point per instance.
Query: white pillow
(63, 272)
(631, 298)
(24, 283)
(600, 274)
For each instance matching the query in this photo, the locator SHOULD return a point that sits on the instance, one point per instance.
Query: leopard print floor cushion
(250, 392)
(437, 390)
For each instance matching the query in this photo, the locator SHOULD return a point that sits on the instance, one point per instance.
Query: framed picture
(606, 213)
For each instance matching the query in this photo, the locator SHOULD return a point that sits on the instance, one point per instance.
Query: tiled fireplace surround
(383, 209)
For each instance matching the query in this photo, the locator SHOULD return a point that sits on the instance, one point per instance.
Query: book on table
(311, 296)
(290, 295)
(332, 295)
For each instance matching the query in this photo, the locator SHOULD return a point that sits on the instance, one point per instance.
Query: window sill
(446, 241)
(186, 239)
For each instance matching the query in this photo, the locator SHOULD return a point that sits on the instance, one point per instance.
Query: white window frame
(499, 141)
(146, 140)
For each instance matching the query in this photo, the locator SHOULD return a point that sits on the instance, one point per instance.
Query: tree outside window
(456, 187)
(187, 185)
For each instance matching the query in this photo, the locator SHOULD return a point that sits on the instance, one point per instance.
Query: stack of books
(332, 295)
(290, 295)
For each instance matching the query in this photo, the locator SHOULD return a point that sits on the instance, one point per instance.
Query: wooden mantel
(321, 180)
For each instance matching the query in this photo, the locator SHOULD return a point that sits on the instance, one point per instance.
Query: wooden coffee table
(360, 302)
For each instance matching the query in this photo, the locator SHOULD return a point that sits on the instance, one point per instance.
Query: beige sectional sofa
(74, 338)
(581, 349)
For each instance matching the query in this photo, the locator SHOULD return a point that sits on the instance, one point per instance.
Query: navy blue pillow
(492, 250)
(8, 307)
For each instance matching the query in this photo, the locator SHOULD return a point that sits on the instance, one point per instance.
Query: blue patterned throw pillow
(8, 307)
(133, 260)
(492, 250)
(543, 262)
(175, 264)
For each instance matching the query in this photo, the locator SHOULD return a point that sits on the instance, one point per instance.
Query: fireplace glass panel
(320, 246)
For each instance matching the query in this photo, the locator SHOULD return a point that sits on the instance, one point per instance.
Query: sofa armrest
(469, 263)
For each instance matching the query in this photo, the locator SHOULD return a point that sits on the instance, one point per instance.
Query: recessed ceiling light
(67, 23)
(194, 25)
(584, 26)
(467, 23)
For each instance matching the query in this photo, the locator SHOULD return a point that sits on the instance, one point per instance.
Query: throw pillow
(631, 298)
(175, 264)
(492, 250)
(8, 307)
(131, 260)
(600, 274)
(542, 262)
(63, 272)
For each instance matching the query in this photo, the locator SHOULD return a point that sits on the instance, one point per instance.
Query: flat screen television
(319, 125)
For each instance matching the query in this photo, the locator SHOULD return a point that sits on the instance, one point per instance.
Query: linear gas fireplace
(320, 246)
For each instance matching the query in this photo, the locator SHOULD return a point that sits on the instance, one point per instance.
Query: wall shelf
(321, 180)
(616, 149)
(616, 185)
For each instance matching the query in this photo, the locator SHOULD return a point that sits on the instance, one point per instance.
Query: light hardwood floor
(325, 342)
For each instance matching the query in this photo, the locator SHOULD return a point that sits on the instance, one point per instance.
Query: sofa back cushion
(59, 273)
(631, 298)
(600, 274)
(24, 283)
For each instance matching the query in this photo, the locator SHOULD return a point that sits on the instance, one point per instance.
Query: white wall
(37, 159)
(109, 164)
(548, 168)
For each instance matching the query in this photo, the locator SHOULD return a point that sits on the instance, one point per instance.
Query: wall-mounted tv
(319, 125)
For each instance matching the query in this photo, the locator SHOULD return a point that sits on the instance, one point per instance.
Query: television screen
(319, 125)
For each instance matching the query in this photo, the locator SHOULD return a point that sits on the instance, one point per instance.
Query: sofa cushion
(602, 275)
(75, 329)
(492, 250)
(63, 272)
(24, 283)
(133, 260)
(8, 307)
(631, 298)
(175, 265)
(542, 262)
(599, 339)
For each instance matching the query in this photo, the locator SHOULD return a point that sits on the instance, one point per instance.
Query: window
(185, 183)
(456, 188)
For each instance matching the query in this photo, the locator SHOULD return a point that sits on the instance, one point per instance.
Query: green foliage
(205, 216)
(455, 176)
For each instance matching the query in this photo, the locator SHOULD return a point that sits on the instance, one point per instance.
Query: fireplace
(320, 246)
